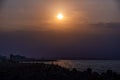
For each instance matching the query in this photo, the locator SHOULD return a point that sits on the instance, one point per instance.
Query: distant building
(17, 58)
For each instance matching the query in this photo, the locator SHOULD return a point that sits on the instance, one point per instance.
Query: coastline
(41, 71)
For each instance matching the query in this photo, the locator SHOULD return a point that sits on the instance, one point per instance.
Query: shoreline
(41, 71)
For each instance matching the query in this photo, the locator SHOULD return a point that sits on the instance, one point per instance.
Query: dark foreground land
(20, 71)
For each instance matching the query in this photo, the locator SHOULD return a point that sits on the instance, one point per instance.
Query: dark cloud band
(1, 3)
(118, 3)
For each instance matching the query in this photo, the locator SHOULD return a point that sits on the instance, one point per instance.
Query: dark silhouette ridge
(26, 71)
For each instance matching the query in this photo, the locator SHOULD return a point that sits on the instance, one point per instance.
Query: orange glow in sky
(60, 16)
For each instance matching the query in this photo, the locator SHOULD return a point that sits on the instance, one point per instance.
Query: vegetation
(40, 71)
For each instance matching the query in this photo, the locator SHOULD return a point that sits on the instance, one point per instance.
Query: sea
(96, 65)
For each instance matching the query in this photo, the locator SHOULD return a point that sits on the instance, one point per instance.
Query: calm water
(96, 65)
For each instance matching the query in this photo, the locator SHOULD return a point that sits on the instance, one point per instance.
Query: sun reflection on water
(64, 63)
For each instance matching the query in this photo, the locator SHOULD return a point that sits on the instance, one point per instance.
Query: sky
(37, 12)
(90, 28)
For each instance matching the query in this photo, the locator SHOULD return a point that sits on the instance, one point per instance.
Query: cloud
(118, 3)
(96, 41)
(1, 3)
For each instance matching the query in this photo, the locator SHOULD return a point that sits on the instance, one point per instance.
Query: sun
(60, 16)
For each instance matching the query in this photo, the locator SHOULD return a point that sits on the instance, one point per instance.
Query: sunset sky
(88, 28)
(37, 12)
